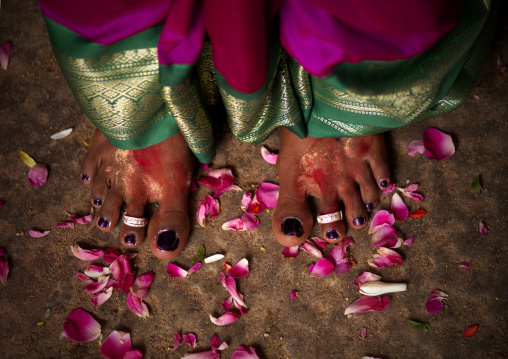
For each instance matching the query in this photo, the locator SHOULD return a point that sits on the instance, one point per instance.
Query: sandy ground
(35, 103)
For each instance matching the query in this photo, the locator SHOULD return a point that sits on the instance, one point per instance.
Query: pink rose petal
(386, 236)
(133, 354)
(37, 234)
(434, 305)
(193, 186)
(84, 277)
(363, 333)
(309, 247)
(5, 54)
(2, 250)
(110, 257)
(268, 194)
(240, 269)
(226, 189)
(65, 225)
(237, 296)
(210, 354)
(408, 192)
(385, 257)
(81, 327)
(438, 293)
(82, 220)
(388, 190)
(381, 218)
(438, 145)
(251, 205)
(4, 268)
(322, 268)
(466, 265)
(365, 277)
(415, 147)
(116, 345)
(190, 339)
(194, 268)
(96, 287)
(121, 270)
(268, 156)
(178, 339)
(290, 252)
(175, 271)
(247, 222)
(99, 298)
(217, 344)
(217, 179)
(320, 242)
(227, 303)
(97, 271)
(339, 251)
(293, 295)
(140, 286)
(137, 306)
(226, 318)
(209, 205)
(342, 267)
(38, 175)
(399, 208)
(244, 352)
(86, 254)
(206, 166)
(483, 229)
(368, 304)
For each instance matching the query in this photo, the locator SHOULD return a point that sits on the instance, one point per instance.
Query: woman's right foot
(160, 173)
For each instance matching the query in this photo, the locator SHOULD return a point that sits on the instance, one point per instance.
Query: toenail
(383, 183)
(358, 221)
(97, 202)
(167, 240)
(332, 234)
(130, 239)
(369, 206)
(103, 222)
(292, 227)
(85, 178)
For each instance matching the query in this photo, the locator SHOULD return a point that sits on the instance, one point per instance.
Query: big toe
(292, 222)
(168, 232)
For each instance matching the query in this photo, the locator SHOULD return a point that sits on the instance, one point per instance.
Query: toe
(129, 235)
(379, 165)
(109, 213)
(356, 213)
(369, 190)
(335, 231)
(99, 190)
(292, 221)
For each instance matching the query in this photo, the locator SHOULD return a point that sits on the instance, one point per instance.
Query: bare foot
(351, 170)
(160, 173)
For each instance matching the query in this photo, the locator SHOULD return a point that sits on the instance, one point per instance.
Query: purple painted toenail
(167, 240)
(130, 239)
(383, 183)
(358, 221)
(369, 206)
(85, 178)
(332, 234)
(97, 202)
(292, 227)
(103, 222)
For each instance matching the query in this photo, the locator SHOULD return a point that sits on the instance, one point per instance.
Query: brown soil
(35, 102)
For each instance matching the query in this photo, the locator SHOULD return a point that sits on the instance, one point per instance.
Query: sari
(144, 70)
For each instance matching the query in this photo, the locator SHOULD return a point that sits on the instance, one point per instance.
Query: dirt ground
(35, 102)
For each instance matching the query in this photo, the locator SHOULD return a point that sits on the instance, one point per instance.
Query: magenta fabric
(321, 34)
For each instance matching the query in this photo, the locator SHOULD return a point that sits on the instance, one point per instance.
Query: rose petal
(227, 303)
(471, 331)
(438, 145)
(226, 318)
(5, 54)
(237, 296)
(386, 236)
(483, 229)
(244, 352)
(140, 286)
(290, 252)
(133, 354)
(293, 295)
(217, 344)
(408, 241)
(193, 186)
(37, 234)
(251, 205)
(84, 277)
(434, 305)
(4, 268)
(381, 218)
(217, 179)
(3, 250)
(81, 327)
(190, 339)
(385, 257)
(399, 208)
(213, 258)
(379, 288)
(65, 225)
(96, 287)
(61, 134)
(206, 166)
(234, 225)
(175, 271)
(388, 190)
(363, 333)
(240, 269)
(110, 257)
(178, 339)
(226, 189)
(137, 306)
(415, 147)
(408, 192)
(210, 354)
(365, 277)
(268, 194)
(194, 268)
(121, 270)
(97, 271)
(320, 242)
(342, 267)
(38, 175)
(322, 268)
(466, 265)
(368, 304)
(338, 251)
(418, 213)
(86, 254)
(209, 205)
(99, 298)
(247, 222)
(82, 220)
(268, 156)
(438, 293)
(116, 345)
(309, 247)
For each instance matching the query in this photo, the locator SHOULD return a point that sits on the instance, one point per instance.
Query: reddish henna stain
(146, 157)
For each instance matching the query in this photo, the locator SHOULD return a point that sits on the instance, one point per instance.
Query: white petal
(61, 134)
(214, 258)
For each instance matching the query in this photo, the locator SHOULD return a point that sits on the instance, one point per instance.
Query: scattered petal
(466, 265)
(121, 270)
(388, 190)
(320, 242)
(386, 236)
(2, 250)
(309, 247)
(337, 254)
(206, 166)
(418, 213)
(137, 306)
(368, 304)
(237, 296)
(434, 305)
(247, 222)
(175, 271)
(399, 208)
(385, 257)
(251, 205)
(116, 345)
(84, 277)
(38, 175)
(214, 258)
(217, 344)
(65, 225)
(240, 269)
(217, 179)
(99, 298)
(5, 54)
(209, 205)
(27, 160)
(81, 327)
(322, 268)
(178, 339)
(37, 234)
(294, 295)
(190, 339)
(290, 252)
(363, 333)
(408, 241)
(193, 185)
(86, 254)
(408, 192)
(244, 352)
(366, 277)
(483, 229)
(194, 268)
(4, 268)
(438, 293)
(226, 318)
(227, 303)
(140, 286)
(61, 134)
(268, 194)
(229, 188)
(415, 147)
(210, 354)
(438, 145)
(268, 156)
(96, 287)
(97, 271)
(471, 331)
(381, 218)
(110, 257)
(82, 220)
(133, 354)
(380, 288)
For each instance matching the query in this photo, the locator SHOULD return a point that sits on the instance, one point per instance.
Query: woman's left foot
(351, 170)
